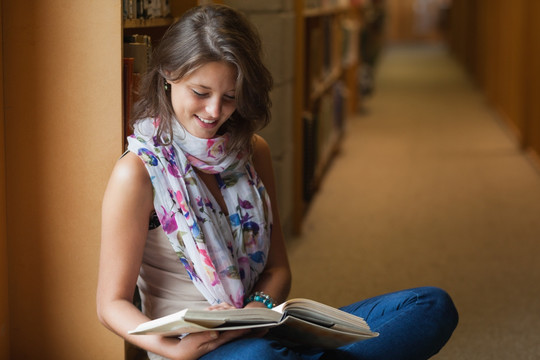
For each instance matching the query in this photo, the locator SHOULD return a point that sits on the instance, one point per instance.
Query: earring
(166, 86)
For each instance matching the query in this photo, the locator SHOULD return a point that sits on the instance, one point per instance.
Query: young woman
(190, 215)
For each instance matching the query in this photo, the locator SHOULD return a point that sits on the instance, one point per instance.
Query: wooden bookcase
(498, 42)
(531, 140)
(327, 36)
(153, 28)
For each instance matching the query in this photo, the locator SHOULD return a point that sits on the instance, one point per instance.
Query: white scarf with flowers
(222, 258)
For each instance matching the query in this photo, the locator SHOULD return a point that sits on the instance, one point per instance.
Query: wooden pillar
(63, 133)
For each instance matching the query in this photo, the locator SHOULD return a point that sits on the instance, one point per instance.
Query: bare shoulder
(261, 151)
(129, 185)
(130, 168)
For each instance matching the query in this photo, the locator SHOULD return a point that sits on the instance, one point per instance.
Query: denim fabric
(413, 324)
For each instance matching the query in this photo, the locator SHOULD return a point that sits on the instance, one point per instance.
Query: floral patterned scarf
(223, 255)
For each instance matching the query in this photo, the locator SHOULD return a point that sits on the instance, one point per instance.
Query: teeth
(206, 121)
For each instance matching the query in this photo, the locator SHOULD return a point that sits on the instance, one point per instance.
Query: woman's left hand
(222, 306)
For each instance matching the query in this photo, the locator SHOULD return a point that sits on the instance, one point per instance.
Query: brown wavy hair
(206, 34)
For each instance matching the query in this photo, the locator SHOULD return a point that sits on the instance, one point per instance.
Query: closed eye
(199, 94)
(204, 95)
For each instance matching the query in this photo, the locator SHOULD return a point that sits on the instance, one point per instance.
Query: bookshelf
(327, 34)
(142, 28)
(499, 46)
(138, 20)
(147, 23)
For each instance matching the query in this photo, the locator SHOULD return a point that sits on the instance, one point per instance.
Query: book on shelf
(145, 9)
(127, 91)
(296, 323)
(138, 47)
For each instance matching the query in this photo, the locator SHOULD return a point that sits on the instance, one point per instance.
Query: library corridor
(430, 188)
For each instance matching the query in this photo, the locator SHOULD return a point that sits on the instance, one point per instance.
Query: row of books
(139, 48)
(146, 9)
(323, 125)
(331, 45)
(137, 54)
(322, 4)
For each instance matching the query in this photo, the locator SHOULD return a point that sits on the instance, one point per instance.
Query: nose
(213, 106)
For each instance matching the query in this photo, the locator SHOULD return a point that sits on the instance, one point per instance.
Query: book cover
(296, 323)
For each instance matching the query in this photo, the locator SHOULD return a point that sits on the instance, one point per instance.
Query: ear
(167, 76)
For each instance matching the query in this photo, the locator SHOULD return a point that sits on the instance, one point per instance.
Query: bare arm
(276, 277)
(126, 209)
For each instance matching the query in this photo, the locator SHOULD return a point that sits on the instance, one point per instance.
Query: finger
(220, 336)
(222, 306)
(216, 339)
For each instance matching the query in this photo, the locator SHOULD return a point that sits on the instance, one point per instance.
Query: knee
(442, 307)
(444, 302)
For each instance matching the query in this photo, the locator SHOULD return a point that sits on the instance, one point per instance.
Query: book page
(294, 333)
(232, 317)
(323, 314)
(169, 325)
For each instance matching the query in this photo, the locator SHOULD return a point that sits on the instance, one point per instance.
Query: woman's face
(205, 99)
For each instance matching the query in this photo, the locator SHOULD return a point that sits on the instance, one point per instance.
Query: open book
(297, 322)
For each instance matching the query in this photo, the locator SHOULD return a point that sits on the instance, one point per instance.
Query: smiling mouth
(205, 120)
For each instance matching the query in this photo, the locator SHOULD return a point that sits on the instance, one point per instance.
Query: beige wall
(62, 114)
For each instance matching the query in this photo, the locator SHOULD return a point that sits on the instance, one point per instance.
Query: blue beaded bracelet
(261, 297)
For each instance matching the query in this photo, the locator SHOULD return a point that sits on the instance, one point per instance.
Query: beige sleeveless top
(164, 285)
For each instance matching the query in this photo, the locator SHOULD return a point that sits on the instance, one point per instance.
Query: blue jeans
(413, 324)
